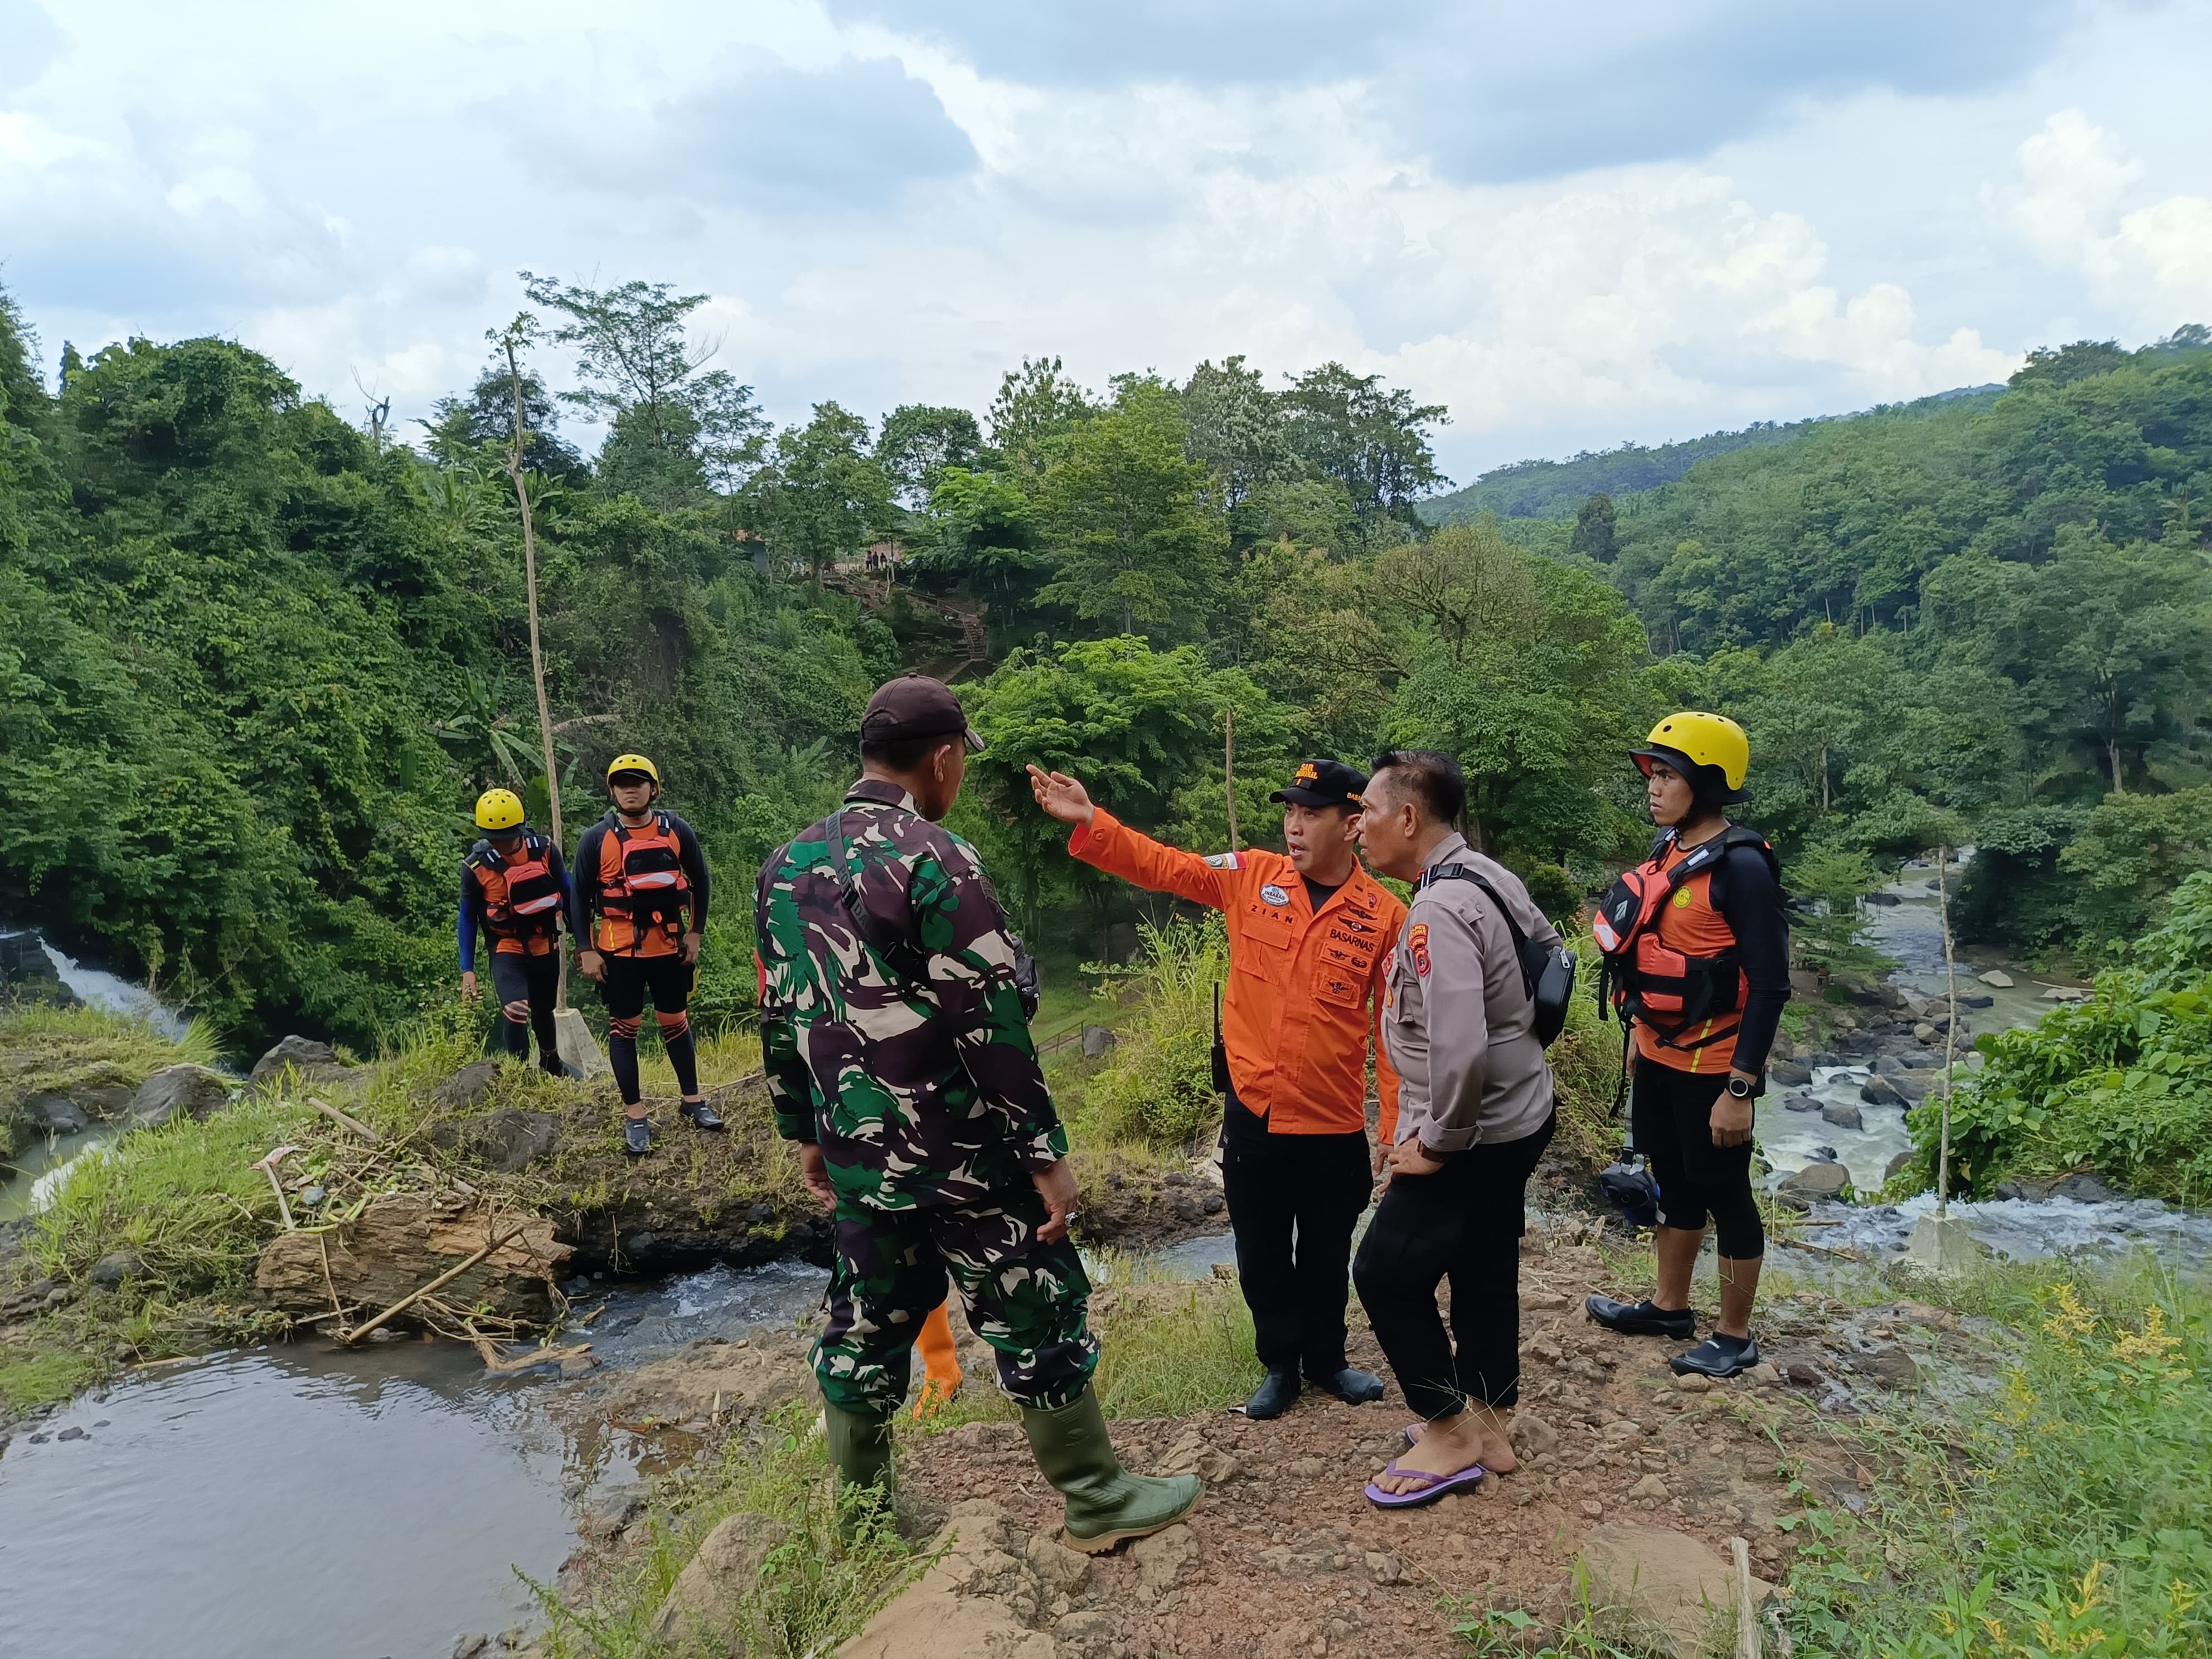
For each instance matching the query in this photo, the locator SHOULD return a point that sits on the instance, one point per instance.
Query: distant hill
(1540, 490)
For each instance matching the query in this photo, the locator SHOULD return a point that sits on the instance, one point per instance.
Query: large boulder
(1879, 1090)
(52, 1114)
(1664, 1590)
(314, 1061)
(1789, 1073)
(993, 1592)
(1843, 1116)
(701, 1613)
(1816, 1180)
(191, 1091)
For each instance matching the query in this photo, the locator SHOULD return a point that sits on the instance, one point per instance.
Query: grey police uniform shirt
(1457, 1022)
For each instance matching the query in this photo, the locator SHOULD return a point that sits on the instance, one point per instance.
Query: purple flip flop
(1413, 1433)
(1439, 1485)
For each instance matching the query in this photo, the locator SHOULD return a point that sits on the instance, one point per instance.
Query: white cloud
(352, 192)
(2174, 237)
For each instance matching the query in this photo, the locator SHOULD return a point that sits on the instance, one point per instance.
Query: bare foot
(1495, 1450)
(1450, 1444)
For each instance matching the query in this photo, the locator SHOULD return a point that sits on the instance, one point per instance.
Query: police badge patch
(1417, 942)
(1271, 894)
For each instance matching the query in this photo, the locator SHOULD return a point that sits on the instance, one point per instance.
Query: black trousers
(668, 979)
(1672, 1113)
(1464, 1224)
(530, 983)
(1293, 1201)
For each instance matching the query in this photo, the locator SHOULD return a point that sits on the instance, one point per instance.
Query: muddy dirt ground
(1293, 1559)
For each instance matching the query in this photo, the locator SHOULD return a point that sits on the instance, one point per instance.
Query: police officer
(514, 889)
(1696, 948)
(641, 873)
(898, 1058)
(1309, 933)
(1475, 1113)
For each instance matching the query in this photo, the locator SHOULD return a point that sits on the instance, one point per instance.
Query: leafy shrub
(1158, 1087)
(2121, 1083)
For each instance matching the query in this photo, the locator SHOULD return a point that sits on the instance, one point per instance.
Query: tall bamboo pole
(536, 652)
(1229, 770)
(1950, 1029)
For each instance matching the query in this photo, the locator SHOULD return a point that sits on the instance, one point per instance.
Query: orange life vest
(521, 894)
(1670, 958)
(641, 882)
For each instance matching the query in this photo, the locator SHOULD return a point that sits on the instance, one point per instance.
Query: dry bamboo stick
(1747, 1617)
(344, 1122)
(437, 1284)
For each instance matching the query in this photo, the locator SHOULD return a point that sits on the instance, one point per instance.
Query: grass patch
(842, 1559)
(2070, 1513)
(1156, 1088)
(42, 1376)
(58, 1049)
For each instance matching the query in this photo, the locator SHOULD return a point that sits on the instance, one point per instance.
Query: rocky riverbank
(1632, 1486)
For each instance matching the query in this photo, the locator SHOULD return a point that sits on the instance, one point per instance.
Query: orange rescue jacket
(1305, 987)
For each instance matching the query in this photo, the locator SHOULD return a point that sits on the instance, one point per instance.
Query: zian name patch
(1418, 941)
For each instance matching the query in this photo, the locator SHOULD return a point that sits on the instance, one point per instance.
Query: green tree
(982, 530)
(1531, 673)
(919, 443)
(1236, 428)
(1370, 438)
(1137, 724)
(1130, 539)
(1594, 535)
(819, 495)
(1036, 404)
(678, 426)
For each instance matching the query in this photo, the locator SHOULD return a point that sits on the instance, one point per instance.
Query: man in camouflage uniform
(898, 1057)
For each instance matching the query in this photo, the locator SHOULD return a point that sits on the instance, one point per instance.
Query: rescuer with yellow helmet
(639, 913)
(514, 888)
(1696, 959)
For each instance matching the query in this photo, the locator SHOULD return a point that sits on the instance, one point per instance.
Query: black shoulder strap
(479, 855)
(1468, 873)
(900, 953)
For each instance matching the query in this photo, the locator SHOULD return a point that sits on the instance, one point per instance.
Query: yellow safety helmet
(499, 812)
(633, 763)
(1693, 742)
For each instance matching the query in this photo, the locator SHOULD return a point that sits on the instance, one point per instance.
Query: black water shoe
(1718, 1356)
(1274, 1396)
(1641, 1318)
(1353, 1386)
(702, 1116)
(637, 1136)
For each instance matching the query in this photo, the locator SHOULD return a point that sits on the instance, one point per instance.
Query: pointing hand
(1061, 796)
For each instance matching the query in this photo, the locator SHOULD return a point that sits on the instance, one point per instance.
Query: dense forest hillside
(255, 661)
(1545, 489)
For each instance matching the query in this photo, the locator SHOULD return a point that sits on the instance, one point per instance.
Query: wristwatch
(1739, 1089)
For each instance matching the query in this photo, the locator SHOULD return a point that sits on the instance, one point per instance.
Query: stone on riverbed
(314, 1062)
(194, 1092)
(1789, 1073)
(1816, 1180)
(1843, 1116)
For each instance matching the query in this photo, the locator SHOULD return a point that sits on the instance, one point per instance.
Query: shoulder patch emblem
(1224, 861)
(1682, 898)
(1271, 894)
(1417, 942)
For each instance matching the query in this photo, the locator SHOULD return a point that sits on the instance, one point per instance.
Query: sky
(1573, 225)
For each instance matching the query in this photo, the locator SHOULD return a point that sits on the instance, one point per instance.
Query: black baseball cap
(1323, 783)
(915, 705)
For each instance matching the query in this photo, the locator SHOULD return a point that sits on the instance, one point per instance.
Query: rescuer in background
(514, 888)
(640, 917)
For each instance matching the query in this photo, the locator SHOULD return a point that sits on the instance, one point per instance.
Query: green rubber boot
(1105, 1502)
(859, 1447)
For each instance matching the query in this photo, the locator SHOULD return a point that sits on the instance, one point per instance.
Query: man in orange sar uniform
(1310, 934)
